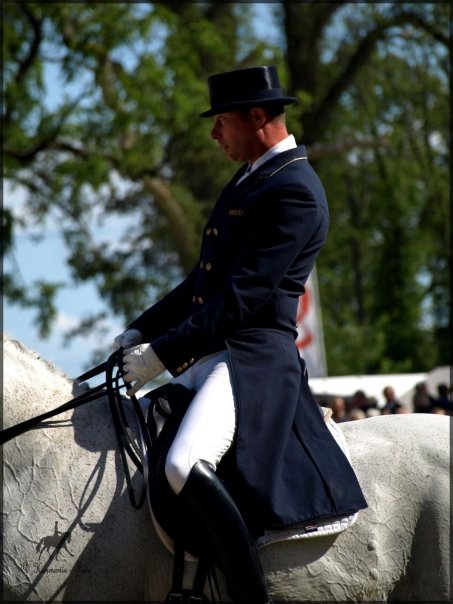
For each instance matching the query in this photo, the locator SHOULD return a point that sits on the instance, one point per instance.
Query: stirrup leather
(178, 595)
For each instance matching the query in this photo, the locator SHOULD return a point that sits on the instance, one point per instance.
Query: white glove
(130, 337)
(141, 364)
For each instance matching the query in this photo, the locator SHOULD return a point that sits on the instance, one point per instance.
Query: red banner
(310, 341)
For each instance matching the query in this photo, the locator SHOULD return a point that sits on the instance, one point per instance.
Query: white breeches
(207, 429)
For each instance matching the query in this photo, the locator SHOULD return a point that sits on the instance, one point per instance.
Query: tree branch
(177, 220)
(317, 151)
(36, 24)
(416, 20)
(26, 64)
(317, 121)
(324, 14)
(26, 156)
(303, 51)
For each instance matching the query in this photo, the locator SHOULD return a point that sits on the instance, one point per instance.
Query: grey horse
(68, 470)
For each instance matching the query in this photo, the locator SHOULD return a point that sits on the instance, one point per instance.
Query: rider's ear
(257, 117)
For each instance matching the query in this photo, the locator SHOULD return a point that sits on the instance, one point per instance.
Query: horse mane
(21, 348)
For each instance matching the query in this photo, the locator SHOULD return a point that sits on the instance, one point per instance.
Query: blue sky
(32, 260)
(45, 259)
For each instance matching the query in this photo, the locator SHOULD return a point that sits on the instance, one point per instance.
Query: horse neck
(31, 384)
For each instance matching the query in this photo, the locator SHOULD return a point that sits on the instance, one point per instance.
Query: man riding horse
(227, 333)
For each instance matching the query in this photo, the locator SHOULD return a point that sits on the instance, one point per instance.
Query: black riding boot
(226, 533)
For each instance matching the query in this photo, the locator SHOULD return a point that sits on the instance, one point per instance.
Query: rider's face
(235, 133)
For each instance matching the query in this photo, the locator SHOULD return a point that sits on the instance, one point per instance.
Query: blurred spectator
(443, 401)
(402, 409)
(373, 402)
(392, 404)
(438, 411)
(338, 407)
(359, 400)
(421, 400)
(355, 414)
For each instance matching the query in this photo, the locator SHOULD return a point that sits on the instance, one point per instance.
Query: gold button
(208, 266)
(179, 370)
(185, 365)
(191, 361)
(215, 231)
(200, 300)
(201, 264)
(208, 231)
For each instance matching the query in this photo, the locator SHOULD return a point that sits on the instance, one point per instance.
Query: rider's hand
(141, 364)
(130, 337)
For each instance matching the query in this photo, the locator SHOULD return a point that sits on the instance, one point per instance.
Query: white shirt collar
(287, 143)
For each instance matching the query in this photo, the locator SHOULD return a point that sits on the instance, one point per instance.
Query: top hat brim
(238, 105)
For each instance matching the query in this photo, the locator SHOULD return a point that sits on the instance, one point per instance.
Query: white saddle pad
(323, 527)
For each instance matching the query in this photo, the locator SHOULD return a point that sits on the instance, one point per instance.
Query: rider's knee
(176, 472)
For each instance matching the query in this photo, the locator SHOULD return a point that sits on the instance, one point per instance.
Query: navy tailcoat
(258, 248)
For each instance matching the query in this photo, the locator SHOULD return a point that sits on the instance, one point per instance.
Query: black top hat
(252, 87)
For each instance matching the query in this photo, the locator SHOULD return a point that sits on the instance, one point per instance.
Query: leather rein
(138, 450)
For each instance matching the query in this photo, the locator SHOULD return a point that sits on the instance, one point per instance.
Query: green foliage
(124, 145)
(41, 297)
(386, 199)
